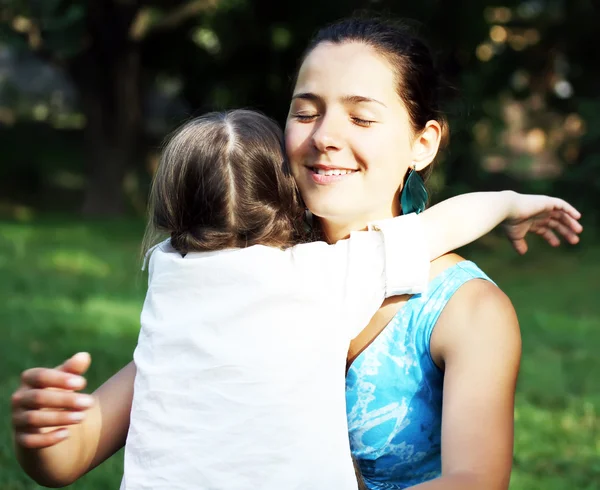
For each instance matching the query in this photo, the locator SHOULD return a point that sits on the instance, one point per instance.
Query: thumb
(78, 364)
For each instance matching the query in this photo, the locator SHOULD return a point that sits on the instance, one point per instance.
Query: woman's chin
(333, 213)
(335, 216)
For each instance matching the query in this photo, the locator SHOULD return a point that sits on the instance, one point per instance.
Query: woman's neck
(335, 230)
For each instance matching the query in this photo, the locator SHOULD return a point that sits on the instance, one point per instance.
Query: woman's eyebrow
(346, 99)
(356, 99)
(307, 96)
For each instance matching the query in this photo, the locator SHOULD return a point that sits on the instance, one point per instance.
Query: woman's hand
(543, 215)
(61, 434)
(47, 403)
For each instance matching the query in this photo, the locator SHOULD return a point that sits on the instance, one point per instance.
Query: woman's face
(348, 135)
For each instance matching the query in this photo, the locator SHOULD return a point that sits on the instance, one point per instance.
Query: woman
(365, 101)
(363, 115)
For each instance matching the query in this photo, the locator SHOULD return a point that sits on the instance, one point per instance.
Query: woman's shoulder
(472, 295)
(476, 303)
(470, 292)
(441, 264)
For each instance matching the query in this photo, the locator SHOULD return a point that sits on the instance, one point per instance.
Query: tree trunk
(111, 136)
(108, 75)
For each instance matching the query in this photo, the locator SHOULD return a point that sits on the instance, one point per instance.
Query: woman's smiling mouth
(323, 174)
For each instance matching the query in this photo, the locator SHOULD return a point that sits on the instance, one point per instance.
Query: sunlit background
(89, 89)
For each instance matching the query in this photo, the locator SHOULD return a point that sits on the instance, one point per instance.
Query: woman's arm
(477, 342)
(54, 448)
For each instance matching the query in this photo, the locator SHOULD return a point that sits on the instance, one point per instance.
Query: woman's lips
(329, 176)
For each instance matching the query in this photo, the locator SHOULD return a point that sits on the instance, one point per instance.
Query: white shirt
(241, 360)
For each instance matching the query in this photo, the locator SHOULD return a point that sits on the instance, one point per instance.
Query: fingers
(46, 401)
(78, 364)
(66, 376)
(36, 440)
(568, 221)
(548, 235)
(556, 216)
(567, 208)
(52, 378)
(539, 205)
(564, 230)
(37, 419)
(44, 398)
(520, 246)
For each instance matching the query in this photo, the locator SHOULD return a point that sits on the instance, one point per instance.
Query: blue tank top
(394, 391)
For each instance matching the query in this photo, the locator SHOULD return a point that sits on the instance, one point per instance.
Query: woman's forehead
(350, 68)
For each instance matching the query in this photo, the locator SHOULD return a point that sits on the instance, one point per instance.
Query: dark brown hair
(224, 182)
(418, 82)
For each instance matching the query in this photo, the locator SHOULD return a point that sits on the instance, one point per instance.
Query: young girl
(241, 356)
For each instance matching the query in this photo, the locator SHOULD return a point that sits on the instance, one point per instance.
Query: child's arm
(54, 448)
(371, 266)
(463, 219)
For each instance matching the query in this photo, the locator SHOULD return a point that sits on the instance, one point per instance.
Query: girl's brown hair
(223, 182)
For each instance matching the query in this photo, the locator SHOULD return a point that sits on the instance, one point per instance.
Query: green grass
(68, 286)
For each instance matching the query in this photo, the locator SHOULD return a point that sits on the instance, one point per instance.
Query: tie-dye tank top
(394, 391)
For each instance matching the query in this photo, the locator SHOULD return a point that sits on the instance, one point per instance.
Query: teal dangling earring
(414, 195)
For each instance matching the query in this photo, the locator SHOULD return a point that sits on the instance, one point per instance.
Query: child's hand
(47, 403)
(544, 216)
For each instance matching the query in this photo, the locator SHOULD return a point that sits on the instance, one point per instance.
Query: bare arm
(463, 219)
(477, 340)
(56, 449)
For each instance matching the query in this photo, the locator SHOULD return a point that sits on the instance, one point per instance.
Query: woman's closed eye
(311, 117)
(362, 122)
(305, 117)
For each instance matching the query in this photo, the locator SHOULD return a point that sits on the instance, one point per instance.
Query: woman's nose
(325, 137)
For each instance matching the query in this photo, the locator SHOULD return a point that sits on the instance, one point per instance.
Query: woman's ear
(426, 145)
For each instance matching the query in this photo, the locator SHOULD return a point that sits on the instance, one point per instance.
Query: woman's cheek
(386, 160)
(296, 135)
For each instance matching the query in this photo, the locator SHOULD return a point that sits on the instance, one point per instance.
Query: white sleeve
(406, 251)
(390, 261)
(150, 251)
(362, 271)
